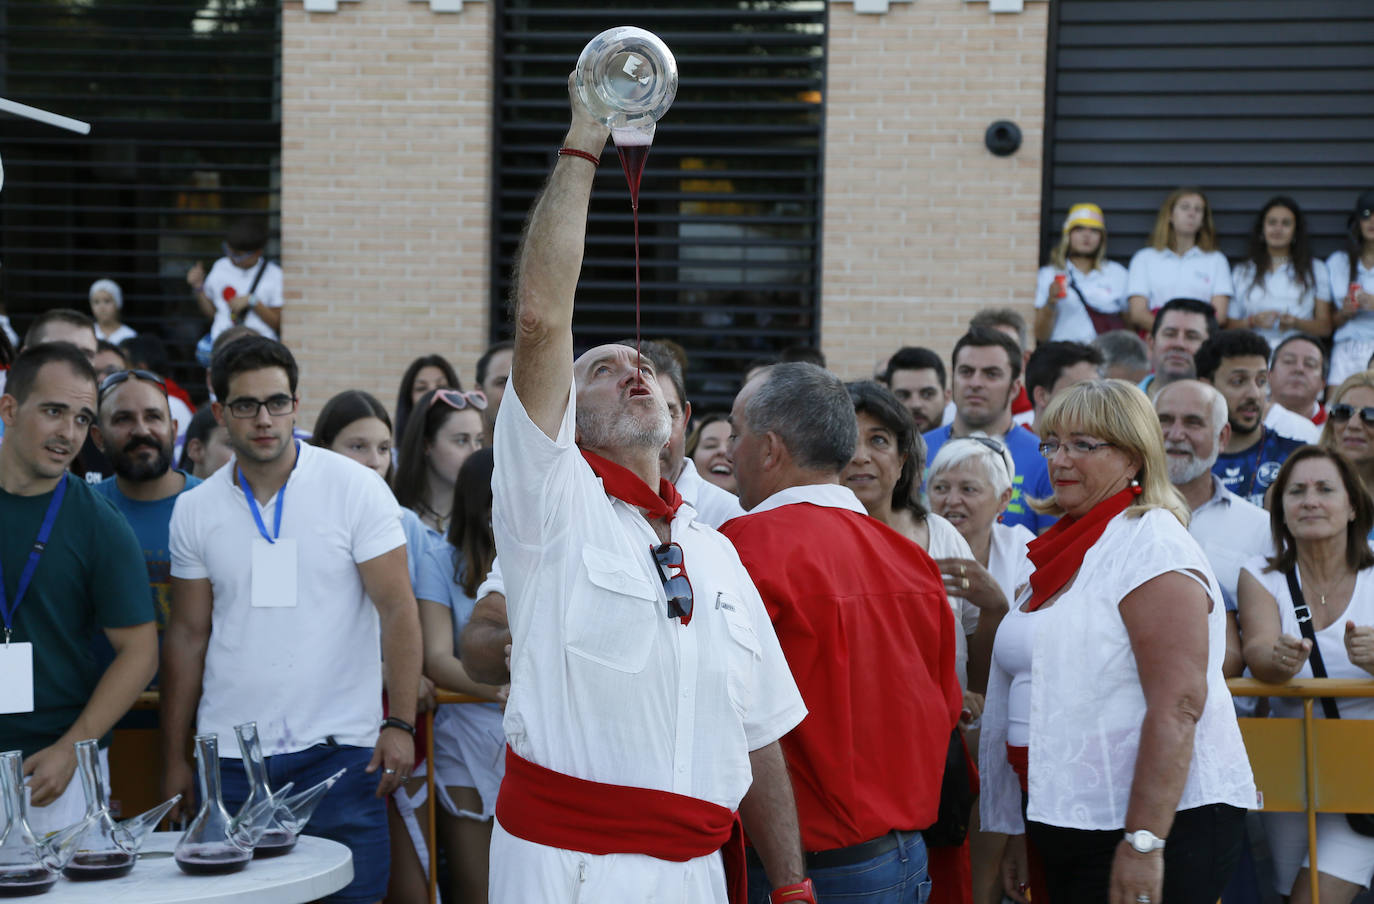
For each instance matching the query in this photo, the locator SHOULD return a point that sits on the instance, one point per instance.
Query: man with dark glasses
(648, 690)
(862, 616)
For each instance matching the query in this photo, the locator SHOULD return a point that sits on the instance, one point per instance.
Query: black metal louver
(730, 209)
(1245, 98)
(184, 101)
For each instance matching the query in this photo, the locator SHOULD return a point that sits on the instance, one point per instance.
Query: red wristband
(574, 152)
(801, 893)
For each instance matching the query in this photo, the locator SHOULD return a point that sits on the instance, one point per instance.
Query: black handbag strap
(1304, 616)
(257, 279)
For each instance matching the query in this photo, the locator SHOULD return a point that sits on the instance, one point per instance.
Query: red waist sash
(1019, 758)
(574, 814)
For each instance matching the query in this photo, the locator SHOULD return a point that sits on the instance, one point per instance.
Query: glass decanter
(279, 817)
(627, 78)
(214, 843)
(28, 865)
(107, 849)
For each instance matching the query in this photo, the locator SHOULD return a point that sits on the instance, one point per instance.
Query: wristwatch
(1144, 841)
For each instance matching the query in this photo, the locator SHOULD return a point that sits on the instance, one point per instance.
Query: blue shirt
(1032, 475)
(1249, 473)
(438, 581)
(419, 538)
(151, 523)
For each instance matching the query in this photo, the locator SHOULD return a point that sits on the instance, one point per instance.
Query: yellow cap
(1089, 215)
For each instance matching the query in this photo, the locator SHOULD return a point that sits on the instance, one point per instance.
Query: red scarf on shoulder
(1058, 553)
(625, 485)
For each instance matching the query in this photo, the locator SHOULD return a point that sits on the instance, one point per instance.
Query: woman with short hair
(1281, 290)
(1320, 517)
(1080, 293)
(1181, 261)
(1106, 697)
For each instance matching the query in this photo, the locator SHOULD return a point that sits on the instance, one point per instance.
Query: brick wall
(923, 225)
(386, 137)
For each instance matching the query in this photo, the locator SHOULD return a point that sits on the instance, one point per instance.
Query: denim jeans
(898, 876)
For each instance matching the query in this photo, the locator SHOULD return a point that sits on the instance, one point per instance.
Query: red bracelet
(574, 152)
(801, 893)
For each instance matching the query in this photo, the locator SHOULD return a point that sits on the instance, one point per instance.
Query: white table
(315, 868)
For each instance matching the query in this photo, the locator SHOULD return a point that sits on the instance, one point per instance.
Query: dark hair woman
(446, 428)
(354, 424)
(1280, 289)
(1352, 292)
(424, 373)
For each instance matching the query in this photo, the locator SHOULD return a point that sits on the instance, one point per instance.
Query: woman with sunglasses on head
(468, 738)
(1349, 427)
(424, 373)
(1351, 271)
(1320, 518)
(444, 429)
(1280, 288)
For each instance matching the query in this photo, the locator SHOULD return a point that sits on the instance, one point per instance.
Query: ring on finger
(962, 572)
(965, 585)
(388, 771)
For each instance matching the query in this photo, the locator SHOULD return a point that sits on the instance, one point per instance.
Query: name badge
(16, 678)
(274, 573)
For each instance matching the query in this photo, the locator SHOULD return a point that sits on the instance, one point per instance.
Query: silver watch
(1144, 841)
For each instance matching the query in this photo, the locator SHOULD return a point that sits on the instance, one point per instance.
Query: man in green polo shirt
(71, 565)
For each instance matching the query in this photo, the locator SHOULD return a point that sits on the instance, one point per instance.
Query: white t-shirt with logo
(226, 282)
(1102, 288)
(1279, 291)
(1164, 275)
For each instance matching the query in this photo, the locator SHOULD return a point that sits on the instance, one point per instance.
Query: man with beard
(987, 378)
(135, 430)
(69, 564)
(1179, 330)
(1236, 363)
(648, 690)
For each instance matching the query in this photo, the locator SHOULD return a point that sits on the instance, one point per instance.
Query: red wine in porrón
(632, 157)
(211, 859)
(274, 843)
(20, 883)
(107, 865)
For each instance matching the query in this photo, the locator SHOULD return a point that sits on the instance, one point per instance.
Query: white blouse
(1007, 558)
(947, 543)
(1278, 291)
(1086, 702)
(1102, 289)
(1361, 326)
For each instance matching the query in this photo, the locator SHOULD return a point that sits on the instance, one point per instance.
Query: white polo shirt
(1361, 326)
(714, 506)
(1164, 275)
(237, 281)
(1103, 289)
(1291, 424)
(303, 673)
(1231, 531)
(606, 687)
(1278, 291)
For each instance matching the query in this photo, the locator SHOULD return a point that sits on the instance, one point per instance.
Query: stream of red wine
(632, 157)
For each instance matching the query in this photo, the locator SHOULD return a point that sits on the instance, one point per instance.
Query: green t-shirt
(91, 576)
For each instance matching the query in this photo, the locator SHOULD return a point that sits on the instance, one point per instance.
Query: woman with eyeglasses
(1109, 745)
(444, 429)
(468, 738)
(424, 373)
(1349, 427)
(1320, 517)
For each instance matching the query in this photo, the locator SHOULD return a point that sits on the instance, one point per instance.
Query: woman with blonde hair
(1181, 261)
(1080, 293)
(1349, 427)
(1133, 777)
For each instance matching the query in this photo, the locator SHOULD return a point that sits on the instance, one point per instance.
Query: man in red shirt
(863, 620)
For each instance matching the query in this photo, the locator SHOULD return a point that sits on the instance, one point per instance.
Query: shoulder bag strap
(257, 279)
(1304, 616)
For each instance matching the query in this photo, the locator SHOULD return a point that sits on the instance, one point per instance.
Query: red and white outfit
(861, 612)
(604, 686)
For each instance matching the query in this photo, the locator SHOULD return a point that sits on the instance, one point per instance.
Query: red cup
(1354, 287)
(1061, 283)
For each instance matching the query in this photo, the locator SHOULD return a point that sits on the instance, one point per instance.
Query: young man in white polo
(290, 603)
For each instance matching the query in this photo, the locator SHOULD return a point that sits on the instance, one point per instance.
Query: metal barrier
(1310, 765)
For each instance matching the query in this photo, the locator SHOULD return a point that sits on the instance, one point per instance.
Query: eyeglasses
(458, 399)
(668, 556)
(1343, 412)
(1075, 449)
(118, 377)
(276, 406)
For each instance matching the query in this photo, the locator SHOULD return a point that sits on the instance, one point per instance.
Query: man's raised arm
(546, 273)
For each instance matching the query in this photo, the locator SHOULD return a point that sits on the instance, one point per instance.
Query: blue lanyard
(281, 501)
(39, 544)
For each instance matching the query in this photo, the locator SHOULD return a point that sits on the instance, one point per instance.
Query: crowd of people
(824, 621)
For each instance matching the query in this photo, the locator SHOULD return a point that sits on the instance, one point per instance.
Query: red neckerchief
(625, 485)
(1059, 551)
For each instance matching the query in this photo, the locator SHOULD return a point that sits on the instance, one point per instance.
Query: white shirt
(1330, 640)
(1007, 558)
(714, 506)
(1103, 289)
(1162, 275)
(947, 543)
(1086, 703)
(604, 686)
(224, 275)
(1280, 291)
(118, 336)
(1361, 326)
(307, 672)
(1231, 531)
(1291, 424)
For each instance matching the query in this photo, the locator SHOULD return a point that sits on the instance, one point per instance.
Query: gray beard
(613, 430)
(1181, 472)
